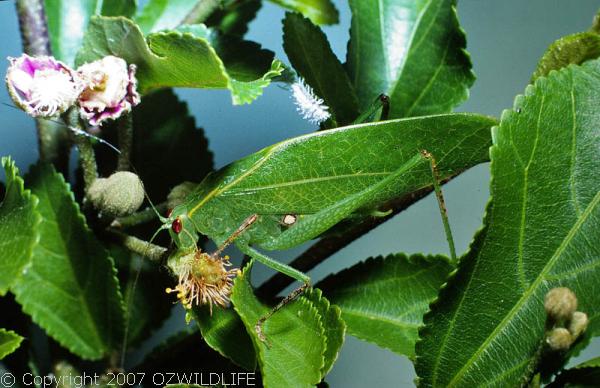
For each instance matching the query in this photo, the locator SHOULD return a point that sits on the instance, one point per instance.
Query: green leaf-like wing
(18, 227)
(9, 342)
(318, 11)
(571, 49)
(160, 15)
(311, 56)
(295, 333)
(383, 299)
(70, 289)
(543, 232)
(307, 174)
(411, 50)
(224, 331)
(180, 59)
(68, 19)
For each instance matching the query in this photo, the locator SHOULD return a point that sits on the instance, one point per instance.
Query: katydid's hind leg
(288, 299)
(381, 103)
(441, 203)
(248, 222)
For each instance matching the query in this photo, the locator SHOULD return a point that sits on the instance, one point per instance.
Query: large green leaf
(68, 19)
(311, 56)
(411, 50)
(160, 15)
(543, 232)
(295, 333)
(307, 174)
(18, 227)
(70, 288)
(224, 331)
(318, 11)
(182, 58)
(383, 299)
(9, 342)
(571, 49)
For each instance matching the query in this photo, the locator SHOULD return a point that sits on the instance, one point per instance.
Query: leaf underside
(9, 342)
(543, 226)
(318, 11)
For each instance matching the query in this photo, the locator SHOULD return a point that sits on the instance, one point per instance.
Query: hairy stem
(87, 157)
(202, 11)
(143, 216)
(125, 128)
(152, 251)
(327, 246)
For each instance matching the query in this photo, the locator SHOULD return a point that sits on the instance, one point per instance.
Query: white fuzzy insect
(309, 105)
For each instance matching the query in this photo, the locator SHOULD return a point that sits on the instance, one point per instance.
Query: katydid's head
(181, 228)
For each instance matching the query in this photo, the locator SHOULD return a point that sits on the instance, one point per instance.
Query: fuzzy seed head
(559, 339)
(179, 194)
(309, 105)
(560, 303)
(578, 324)
(120, 194)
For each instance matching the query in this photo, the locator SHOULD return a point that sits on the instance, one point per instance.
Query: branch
(144, 248)
(202, 11)
(125, 129)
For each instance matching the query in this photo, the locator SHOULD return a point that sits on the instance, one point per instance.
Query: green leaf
(160, 15)
(180, 59)
(571, 49)
(310, 54)
(335, 328)
(318, 11)
(70, 288)
(586, 374)
(19, 222)
(383, 299)
(543, 229)
(411, 50)
(68, 20)
(295, 333)
(307, 174)
(233, 19)
(9, 342)
(224, 331)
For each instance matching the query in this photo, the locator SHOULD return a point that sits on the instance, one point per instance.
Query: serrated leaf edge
(16, 338)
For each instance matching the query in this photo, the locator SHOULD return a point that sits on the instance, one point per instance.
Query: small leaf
(224, 332)
(179, 59)
(295, 333)
(160, 15)
(9, 342)
(318, 11)
(68, 20)
(233, 19)
(19, 223)
(413, 51)
(70, 288)
(571, 49)
(335, 328)
(310, 54)
(586, 374)
(383, 299)
(543, 231)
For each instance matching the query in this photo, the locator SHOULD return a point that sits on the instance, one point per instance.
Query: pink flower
(111, 89)
(42, 86)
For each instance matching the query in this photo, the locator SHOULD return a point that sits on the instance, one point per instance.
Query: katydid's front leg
(313, 225)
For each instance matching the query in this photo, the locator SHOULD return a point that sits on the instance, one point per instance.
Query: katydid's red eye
(176, 226)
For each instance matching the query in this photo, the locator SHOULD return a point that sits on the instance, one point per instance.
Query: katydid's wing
(319, 171)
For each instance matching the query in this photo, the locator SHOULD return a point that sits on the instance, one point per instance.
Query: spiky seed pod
(120, 194)
(559, 339)
(578, 324)
(179, 193)
(560, 303)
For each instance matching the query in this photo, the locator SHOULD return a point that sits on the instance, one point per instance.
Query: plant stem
(327, 246)
(87, 157)
(152, 251)
(125, 128)
(146, 215)
(202, 11)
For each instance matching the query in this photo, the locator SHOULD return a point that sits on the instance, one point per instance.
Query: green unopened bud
(560, 303)
(578, 324)
(559, 339)
(179, 194)
(120, 194)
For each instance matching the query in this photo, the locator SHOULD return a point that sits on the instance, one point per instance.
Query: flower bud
(560, 303)
(42, 86)
(559, 339)
(120, 194)
(578, 324)
(111, 89)
(179, 194)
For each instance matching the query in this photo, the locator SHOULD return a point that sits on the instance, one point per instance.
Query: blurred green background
(505, 39)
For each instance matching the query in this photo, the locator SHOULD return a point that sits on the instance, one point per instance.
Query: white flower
(111, 89)
(42, 86)
(310, 106)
